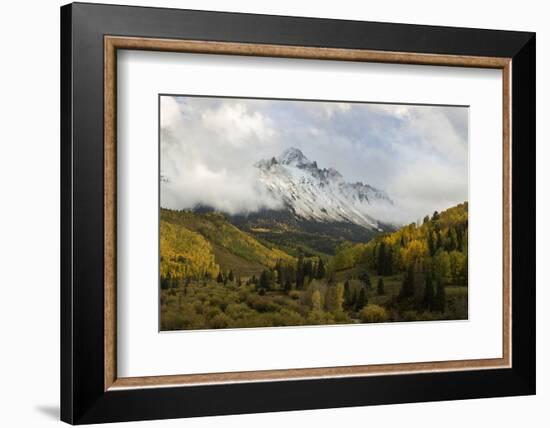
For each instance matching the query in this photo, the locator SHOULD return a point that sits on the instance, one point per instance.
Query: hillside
(418, 272)
(439, 247)
(230, 247)
(295, 235)
(184, 254)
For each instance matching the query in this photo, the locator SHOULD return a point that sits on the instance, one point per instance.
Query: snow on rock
(319, 194)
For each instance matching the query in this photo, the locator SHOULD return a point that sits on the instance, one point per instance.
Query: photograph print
(277, 212)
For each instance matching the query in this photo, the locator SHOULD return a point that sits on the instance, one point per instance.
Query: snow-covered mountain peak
(319, 194)
(332, 174)
(293, 156)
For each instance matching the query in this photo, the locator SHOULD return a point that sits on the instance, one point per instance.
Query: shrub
(410, 316)
(238, 311)
(198, 307)
(212, 311)
(220, 321)
(341, 317)
(294, 295)
(171, 321)
(373, 313)
(262, 304)
(289, 317)
(280, 300)
(317, 317)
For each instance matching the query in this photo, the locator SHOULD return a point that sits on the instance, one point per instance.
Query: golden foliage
(373, 313)
(218, 231)
(439, 237)
(184, 253)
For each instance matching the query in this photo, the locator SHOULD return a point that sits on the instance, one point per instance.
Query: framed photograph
(266, 213)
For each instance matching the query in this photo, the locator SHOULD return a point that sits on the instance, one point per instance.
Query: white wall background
(29, 214)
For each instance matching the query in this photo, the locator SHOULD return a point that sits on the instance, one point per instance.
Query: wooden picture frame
(91, 390)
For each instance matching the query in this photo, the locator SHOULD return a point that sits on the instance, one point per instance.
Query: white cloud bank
(199, 156)
(417, 154)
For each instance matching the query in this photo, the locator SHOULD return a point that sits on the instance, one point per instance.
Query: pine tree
(381, 258)
(320, 269)
(220, 277)
(264, 281)
(361, 300)
(429, 293)
(347, 294)
(388, 265)
(168, 280)
(230, 276)
(288, 285)
(440, 301)
(380, 289)
(407, 288)
(353, 299)
(300, 273)
(365, 277)
(308, 269)
(279, 269)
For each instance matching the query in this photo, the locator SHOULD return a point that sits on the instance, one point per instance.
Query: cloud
(237, 125)
(229, 191)
(425, 186)
(200, 162)
(417, 154)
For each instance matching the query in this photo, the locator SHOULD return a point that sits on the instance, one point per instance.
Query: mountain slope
(320, 195)
(443, 236)
(231, 247)
(295, 235)
(184, 253)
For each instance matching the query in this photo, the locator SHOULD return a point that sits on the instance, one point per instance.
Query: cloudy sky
(208, 146)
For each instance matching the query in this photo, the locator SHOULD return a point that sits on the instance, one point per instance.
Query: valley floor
(208, 304)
